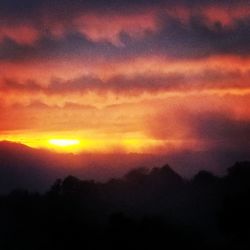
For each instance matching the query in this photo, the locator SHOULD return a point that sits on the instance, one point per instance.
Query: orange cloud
(21, 34)
(109, 27)
(226, 16)
(100, 84)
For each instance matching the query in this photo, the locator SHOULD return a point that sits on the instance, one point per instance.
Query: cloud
(223, 131)
(205, 130)
(175, 71)
(58, 22)
(179, 29)
(47, 48)
(110, 27)
(25, 35)
(137, 84)
(197, 39)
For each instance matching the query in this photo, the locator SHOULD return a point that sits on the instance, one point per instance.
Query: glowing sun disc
(63, 142)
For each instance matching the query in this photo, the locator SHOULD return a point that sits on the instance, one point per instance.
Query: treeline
(146, 209)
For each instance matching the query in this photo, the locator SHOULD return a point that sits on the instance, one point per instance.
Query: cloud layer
(142, 76)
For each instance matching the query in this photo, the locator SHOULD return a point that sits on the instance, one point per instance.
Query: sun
(64, 142)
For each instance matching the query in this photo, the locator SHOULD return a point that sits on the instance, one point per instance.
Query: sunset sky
(144, 76)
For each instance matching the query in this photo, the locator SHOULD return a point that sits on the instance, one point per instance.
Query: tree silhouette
(147, 209)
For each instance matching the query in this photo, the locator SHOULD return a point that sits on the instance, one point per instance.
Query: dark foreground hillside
(154, 209)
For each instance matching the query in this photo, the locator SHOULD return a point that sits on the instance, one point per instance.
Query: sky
(126, 76)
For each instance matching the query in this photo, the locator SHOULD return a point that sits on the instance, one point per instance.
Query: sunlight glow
(64, 142)
(86, 143)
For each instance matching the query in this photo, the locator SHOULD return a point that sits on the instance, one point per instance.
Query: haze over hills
(37, 169)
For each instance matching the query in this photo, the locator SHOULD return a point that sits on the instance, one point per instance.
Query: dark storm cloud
(223, 130)
(219, 130)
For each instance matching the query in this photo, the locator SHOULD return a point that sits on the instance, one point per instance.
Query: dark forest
(146, 209)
